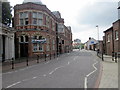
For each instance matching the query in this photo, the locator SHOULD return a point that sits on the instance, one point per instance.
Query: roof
(33, 1)
(111, 28)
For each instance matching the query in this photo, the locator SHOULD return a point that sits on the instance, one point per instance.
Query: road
(78, 69)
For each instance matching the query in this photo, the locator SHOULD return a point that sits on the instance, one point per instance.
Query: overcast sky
(84, 15)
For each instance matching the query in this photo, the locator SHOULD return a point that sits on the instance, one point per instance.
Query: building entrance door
(23, 49)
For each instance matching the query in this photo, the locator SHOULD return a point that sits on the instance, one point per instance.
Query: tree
(6, 13)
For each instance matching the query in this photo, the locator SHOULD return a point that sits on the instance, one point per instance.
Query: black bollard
(116, 57)
(102, 57)
(37, 58)
(27, 61)
(50, 56)
(54, 55)
(112, 56)
(12, 63)
(45, 57)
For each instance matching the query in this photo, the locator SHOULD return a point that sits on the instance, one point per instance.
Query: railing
(26, 60)
(115, 56)
(100, 55)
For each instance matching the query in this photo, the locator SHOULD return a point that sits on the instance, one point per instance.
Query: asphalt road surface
(78, 69)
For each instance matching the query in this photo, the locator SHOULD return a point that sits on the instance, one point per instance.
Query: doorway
(23, 49)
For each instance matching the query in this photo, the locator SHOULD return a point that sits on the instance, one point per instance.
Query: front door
(23, 49)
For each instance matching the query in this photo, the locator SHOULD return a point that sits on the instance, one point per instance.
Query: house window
(25, 15)
(40, 22)
(26, 21)
(116, 35)
(34, 15)
(108, 38)
(21, 15)
(21, 22)
(26, 38)
(34, 21)
(40, 16)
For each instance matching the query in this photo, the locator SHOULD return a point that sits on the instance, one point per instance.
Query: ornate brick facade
(37, 31)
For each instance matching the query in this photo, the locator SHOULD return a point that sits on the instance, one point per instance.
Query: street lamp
(98, 36)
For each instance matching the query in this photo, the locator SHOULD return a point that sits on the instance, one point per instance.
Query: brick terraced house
(40, 31)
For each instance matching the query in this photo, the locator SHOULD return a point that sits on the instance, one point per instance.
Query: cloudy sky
(84, 15)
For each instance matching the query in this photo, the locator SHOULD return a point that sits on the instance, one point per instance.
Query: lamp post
(98, 38)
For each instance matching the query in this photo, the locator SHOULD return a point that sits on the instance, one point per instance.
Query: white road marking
(85, 81)
(7, 73)
(34, 77)
(25, 80)
(13, 84)
(55, 69)
(52, 72)
(68, 63)
(47, 62)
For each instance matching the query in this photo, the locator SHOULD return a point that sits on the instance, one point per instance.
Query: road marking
(57, 58)
(25, 80)
(47, 62)
(34, 77)
(13, 84)
(85, 81)
(7, 73)
(51, 72)
(68, 63)
(55, 69)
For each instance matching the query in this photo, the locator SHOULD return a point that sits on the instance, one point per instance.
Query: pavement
(109, 78)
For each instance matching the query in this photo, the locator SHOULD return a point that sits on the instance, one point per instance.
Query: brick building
(109, 41)
(38, 30)
(116, 35)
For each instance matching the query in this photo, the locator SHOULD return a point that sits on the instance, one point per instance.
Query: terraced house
(40, 31)
(111, 39)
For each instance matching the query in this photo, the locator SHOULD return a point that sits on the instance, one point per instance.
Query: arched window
(26, 38)
(40, 37)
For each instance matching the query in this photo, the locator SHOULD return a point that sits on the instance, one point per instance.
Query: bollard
(27, 61)
(37, 58)
(102, 57)
(54, 55)
(112, 56)
(116, 57)
(12, 63)
(50, 56)
(45, 57)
